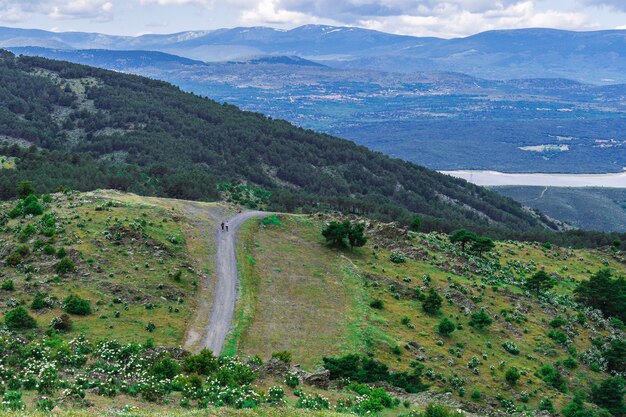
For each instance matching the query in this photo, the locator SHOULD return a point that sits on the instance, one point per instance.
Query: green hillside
(587, 208)
(144, 269)
(74, 126)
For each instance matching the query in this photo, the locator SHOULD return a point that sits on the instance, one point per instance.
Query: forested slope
(95, 128)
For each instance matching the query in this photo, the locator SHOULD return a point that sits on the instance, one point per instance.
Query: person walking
(222, 225)
(227, 227)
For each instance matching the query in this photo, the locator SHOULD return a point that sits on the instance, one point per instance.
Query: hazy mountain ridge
(596, 57)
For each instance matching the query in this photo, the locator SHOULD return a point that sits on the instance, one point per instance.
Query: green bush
(397, 258)
(511, 347)
(39, 301)
(570, 363)
(73, 304)
(432, 302)
(552, 377)
(480, 319)
(18, 319)
(445, 327)
(204, 363)
(13, 259)
(558, 321)
(367, 370)
(49, 250)
(65, 265)
(512, 375)
(8, 285)
(378, 304)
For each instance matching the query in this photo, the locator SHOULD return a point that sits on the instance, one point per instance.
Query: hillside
(588, 208)
(145, 268)
(88, 128)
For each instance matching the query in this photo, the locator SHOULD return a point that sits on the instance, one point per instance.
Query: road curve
(226, 284)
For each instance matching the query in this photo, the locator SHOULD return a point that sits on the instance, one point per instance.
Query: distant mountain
(597, 57)
(110, 59)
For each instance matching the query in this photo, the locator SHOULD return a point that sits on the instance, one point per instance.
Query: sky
(445, 18)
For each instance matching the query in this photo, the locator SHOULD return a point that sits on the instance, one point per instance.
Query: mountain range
(597, 57)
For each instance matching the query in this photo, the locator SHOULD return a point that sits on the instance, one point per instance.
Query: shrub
(61, 324)
(558, 321)
(552, 377)
(546, 405)
(150, 327)
(377, 304)
(13, 259)
(397, 258)
(12, 400)
(366, 370)
(31, 206)
(25, 188)
(345, 234)
(476, 395)
(8, 285)
(204, 363)
(480, 319)
(49, 250)
(512, 375)
(570, 363)
(432, 302)
(313, 402)
(558, 336)
(18, 319)
(39, 301)
(73, 304)
(415, 224)
(445, 327)
(282, 355)
(510, 347)
(65, 265)
(164, 368)
(26, 233)
(292, 380)
(61, 253)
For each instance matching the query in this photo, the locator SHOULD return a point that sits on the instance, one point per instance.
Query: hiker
(222, 225)
(227, 228)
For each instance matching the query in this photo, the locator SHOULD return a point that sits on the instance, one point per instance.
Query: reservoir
(493, 178)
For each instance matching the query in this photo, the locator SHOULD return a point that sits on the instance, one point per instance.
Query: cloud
(270, 12)
(615, 4)
(446, 18)
(21, 10)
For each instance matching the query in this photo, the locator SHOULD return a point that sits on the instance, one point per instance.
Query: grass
(132, 275)
(296, 282)
(294, 294)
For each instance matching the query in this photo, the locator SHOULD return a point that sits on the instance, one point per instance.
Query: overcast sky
(446, 18)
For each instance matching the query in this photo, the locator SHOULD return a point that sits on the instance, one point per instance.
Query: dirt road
(226, 284)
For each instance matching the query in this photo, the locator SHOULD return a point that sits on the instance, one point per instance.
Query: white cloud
(22, 10)
(269, 12)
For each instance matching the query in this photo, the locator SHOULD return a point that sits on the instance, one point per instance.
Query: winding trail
(226, 284)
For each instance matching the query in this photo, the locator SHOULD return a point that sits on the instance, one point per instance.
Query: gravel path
(226, 285)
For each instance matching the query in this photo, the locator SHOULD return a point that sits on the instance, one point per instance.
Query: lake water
(493, 178)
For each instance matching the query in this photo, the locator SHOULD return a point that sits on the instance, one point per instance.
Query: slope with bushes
(506, 329)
